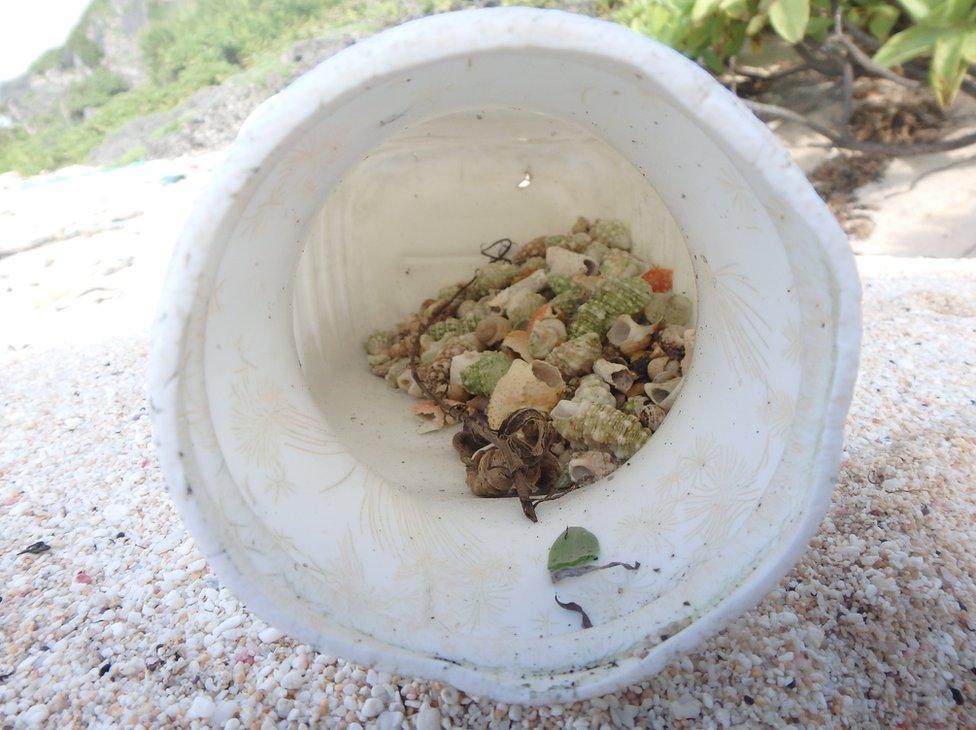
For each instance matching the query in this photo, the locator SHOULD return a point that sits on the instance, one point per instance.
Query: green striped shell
(567, 302)
(379, 342)
(522, 306)
(603, 427)
(590, 317)
(481, 376)
(576, 356)
(622, 296)
(454, 326)
(612, 298)
(593, 389)
(495, 275)
(446, 328)
(612, 232)
(618, 263)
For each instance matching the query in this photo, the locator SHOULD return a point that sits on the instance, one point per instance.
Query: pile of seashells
(574, 326)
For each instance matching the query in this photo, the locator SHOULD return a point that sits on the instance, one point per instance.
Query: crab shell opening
(371, 181)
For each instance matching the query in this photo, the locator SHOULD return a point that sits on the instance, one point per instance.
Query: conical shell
(663, 394)
(619, 264)
(619, 376)
(590, 317)
(532, 283)
(600, 426)
(613, 297)
(545, 335)
(612, 232)
(623, 296)
(519, 388)
(592, 389)
(628, 336)
(581, 225)
(482, 376)
(590, 466)
(521, 306)
(576, 356)
(518, 342)
(563, 261)
(567, 303)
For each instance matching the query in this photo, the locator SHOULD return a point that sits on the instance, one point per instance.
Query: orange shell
(660, 279)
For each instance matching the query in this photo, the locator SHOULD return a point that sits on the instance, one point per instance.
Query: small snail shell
(617, 375)
(663, 394)
(628, 336)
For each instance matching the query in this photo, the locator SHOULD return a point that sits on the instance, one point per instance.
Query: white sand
(121, 621)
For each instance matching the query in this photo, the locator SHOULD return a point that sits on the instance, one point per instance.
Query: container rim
(691, 90)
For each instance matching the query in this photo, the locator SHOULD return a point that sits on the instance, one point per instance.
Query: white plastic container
(350, 196)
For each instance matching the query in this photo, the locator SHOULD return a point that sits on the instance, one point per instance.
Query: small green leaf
(948, 67)
(789, 18)
(702, 9)
(918, 9)
(574, 546)
(906, 45)
(756, 24)
(883, 19)
(949, 12)
(969, 47)
(818, 26)
(738, 9)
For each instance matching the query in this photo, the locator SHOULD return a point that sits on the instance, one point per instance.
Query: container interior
(409, 219)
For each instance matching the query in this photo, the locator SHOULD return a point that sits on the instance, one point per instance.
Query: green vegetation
(193, 44)
(712, 31)
(187, 46)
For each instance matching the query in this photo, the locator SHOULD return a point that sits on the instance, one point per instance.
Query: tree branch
(772, 111)
(864, 61)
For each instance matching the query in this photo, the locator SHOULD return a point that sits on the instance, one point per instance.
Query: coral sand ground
(122, 622)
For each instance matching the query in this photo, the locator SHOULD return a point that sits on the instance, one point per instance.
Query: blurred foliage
(189, 45)
(712, 31)
(186, 46)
